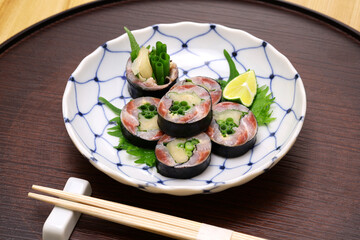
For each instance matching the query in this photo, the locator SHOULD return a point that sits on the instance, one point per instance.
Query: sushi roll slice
(183, 157)
(232, 130)
(139, 122)
(185, 111)
(139, 86)
(208, 83)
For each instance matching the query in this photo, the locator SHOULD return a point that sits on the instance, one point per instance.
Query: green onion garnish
(160, 62)
(148, 110)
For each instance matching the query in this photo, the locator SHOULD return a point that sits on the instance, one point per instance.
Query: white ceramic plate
(197, 48)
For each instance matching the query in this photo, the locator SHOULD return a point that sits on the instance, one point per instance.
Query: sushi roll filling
(186, 106)
(149, 71)
(191, 98)
(181, 149)
(179, 107)
(189, 81)
(154, 64)
(147, 118)
(228, 120)
(148, 110)
(226, 126)
(189, 146)
(183, 102)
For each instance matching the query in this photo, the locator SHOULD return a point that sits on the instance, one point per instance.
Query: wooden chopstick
(124, 219)
(122, 208)
(159, 223)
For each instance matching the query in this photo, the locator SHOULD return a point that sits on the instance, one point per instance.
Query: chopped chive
(181, 145)
(163, 48)
(158, 48)
(230, 131)
(159, 73)
(189, 153)
(156, 56)
(179, 107)
(194, 141)
(152, 108)
(189, 146)
(226, 127)
(148, 110)
(153, 60)
(165, 59)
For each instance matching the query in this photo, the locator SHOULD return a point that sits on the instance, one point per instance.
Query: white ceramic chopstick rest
(61, 222)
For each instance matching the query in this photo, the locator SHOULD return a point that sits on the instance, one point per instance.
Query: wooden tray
(312, 193)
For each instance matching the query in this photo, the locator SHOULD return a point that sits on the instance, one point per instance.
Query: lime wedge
(242, 88)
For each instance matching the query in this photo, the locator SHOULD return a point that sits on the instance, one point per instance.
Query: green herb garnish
(226, 126)
(114, 109)
(145, 156)
(232, 68)
(262, 101)
(135, 48)
(179, 107)
(148, 110)
(222, 83)
(189, 146)
(160, 62)
(158, 57)
(261, 105)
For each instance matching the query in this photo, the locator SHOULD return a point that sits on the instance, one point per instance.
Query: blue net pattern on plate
(220, 166)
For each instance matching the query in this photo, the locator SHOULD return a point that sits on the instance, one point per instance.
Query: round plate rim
(186, 190)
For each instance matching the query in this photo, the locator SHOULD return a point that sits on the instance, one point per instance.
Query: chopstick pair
(159, 223)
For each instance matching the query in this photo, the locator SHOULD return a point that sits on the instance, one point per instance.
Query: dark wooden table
(312, 193)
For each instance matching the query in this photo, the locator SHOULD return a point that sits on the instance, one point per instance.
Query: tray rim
(331, 22)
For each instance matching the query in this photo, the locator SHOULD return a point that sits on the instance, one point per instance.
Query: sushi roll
(139, 86)
(183, 157)
(149, 72)
(208, 83)
(185, 111)
(139, 122)
(232, 130)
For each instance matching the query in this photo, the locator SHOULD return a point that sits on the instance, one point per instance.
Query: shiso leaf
(135, 48)
(261, 106)
(145, 156)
